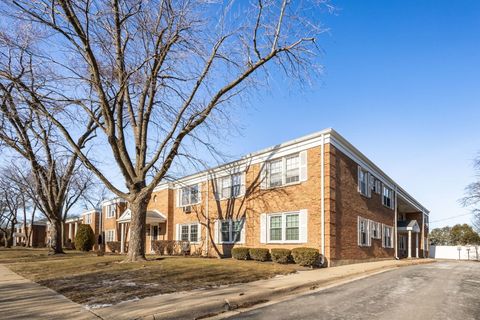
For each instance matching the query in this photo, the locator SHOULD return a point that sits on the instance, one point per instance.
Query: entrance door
(155, 233)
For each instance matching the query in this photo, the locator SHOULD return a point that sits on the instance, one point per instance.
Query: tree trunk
(136, 244)
(56, 237)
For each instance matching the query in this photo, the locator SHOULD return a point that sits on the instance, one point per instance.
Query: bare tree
(155, 75)
(472, 196)
(10, 205)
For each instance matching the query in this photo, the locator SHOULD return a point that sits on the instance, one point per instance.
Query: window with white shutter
(287, 227)
(364, 239)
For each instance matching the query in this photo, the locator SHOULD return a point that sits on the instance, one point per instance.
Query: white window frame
(377, 185)
(190, 203)
(365, 223)
(88, 218)
(228, 181)
(109, 235)
(387, 234)
(284, 227)
(363, 173)
(284, 170)
(390, 192)
(375, 226)
(111, 210)
(230, 230)
(189, 225)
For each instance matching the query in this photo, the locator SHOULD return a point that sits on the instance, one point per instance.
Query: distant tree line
(460, 234)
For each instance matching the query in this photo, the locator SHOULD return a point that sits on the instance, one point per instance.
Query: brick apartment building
(316, 191)
(36, 231)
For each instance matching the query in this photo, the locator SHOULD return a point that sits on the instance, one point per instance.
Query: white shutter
(242, 186)
(358, 182)
(199, 234)
(242, 233)
(264, 176)
(359, 238)
(217, 185)
(215, 231)
(303, 225)
(179, 195)
(369, 234)
(303, 165)
(263, 228)
(177, 235)
(199, 192)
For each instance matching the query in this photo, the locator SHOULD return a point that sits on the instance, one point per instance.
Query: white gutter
(322, 192)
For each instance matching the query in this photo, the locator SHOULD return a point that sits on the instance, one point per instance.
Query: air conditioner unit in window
(187, 209)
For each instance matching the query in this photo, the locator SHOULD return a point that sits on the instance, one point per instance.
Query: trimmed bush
(281, 255)
(307, 257)
(85, 238)
(240, 253)
(259, 254)
(158, 246)
(113, 246)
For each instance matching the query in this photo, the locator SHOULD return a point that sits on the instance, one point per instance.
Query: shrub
(85, 238)
(307, 257)
(240, 253)
(114, 246)
(159, 246)
(259, 254)
(281, 255)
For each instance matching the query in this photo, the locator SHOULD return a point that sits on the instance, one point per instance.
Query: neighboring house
(92, 218)
(316, 191)
(37, 233)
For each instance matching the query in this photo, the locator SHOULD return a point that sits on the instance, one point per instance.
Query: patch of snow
(97, 306)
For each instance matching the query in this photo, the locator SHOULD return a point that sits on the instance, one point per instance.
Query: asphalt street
(442, 290)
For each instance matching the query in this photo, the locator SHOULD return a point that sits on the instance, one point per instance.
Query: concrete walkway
(23, 299)
(200, 303)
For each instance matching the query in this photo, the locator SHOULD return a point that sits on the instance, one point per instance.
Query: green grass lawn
(88, 279)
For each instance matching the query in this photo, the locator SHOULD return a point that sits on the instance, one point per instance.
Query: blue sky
(401, 82)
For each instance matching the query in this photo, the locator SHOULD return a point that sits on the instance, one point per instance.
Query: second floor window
(387, 197)
(88, 218)
(230, 186)
(111, 211)
(284, 171)
(189, 195)
(363, 181)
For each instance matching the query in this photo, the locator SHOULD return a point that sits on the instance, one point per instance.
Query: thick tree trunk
(56, 237)
(136, 244)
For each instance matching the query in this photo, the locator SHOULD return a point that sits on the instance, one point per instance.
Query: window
(363, 232)
(88, 218)
(363, 181)
(110, 235)
(292, 169)
(189, 195)
(111, 211)
(189, 232)
(284, 227)
(387, 197)
(387, 237)
(231, 230)
(284, 171)
(230, 186)
(275, 171)
(375, 228)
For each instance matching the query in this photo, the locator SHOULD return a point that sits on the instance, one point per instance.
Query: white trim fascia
(112, 201)
(90, 211)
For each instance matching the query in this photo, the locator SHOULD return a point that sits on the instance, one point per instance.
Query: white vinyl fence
(455, 252)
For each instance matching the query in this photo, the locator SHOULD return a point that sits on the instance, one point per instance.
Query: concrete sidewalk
(201, 303)
(23, 299)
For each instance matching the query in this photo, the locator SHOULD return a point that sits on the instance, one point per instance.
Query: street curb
(245, 300)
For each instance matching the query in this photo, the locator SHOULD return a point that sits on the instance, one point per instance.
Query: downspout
(207, 238)
(423, 233)
(322, 192)
(395, 225)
